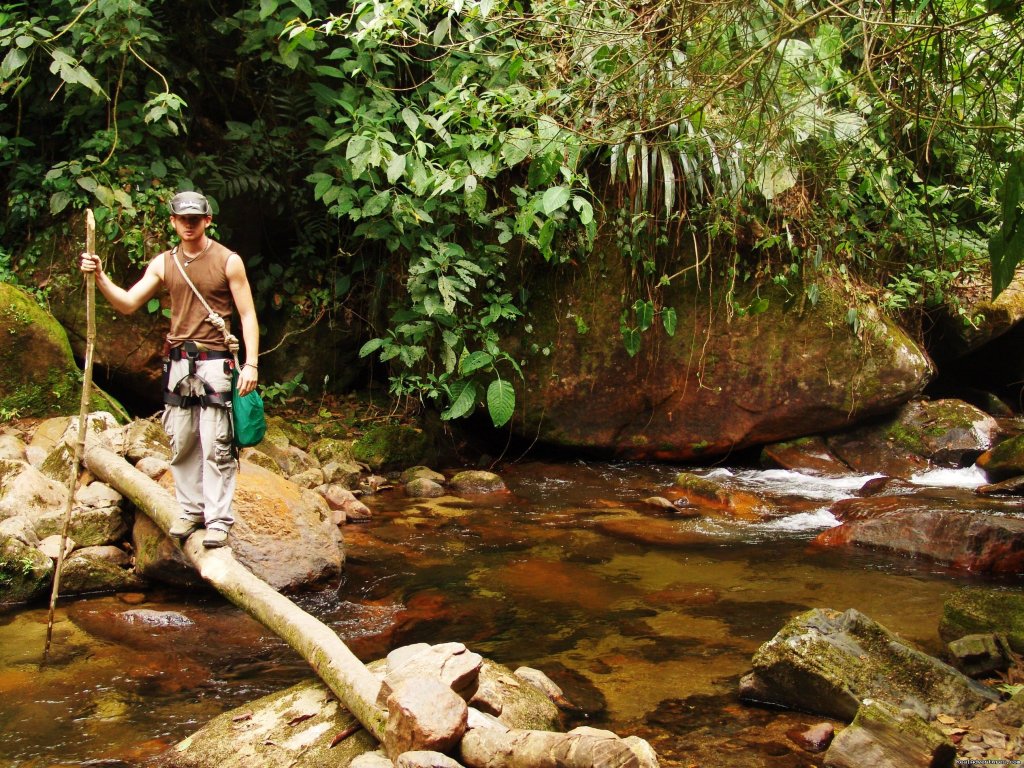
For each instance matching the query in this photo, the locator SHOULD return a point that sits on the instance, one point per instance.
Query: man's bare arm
(241, 294)
(126, 301)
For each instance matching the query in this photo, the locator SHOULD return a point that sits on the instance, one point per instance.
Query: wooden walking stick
(83, 413)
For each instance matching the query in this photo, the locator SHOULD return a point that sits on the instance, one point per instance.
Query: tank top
(188, 315)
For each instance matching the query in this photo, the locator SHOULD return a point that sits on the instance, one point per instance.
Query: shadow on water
(645, 618)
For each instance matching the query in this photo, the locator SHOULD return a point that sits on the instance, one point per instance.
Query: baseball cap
(190, 203)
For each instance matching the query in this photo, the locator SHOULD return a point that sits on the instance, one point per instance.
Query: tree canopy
(420, 158)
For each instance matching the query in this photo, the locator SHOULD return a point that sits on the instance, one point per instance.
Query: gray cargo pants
(203, 460)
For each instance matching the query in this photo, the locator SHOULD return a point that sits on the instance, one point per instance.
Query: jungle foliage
(423, 159)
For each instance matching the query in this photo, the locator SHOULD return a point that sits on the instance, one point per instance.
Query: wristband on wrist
(251, 365)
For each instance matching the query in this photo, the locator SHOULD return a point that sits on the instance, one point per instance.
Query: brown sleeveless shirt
(188, 315)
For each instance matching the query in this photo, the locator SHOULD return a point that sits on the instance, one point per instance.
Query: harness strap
(211, 397)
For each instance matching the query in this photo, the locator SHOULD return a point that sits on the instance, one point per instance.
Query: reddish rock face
(942, 531)
(718, 384)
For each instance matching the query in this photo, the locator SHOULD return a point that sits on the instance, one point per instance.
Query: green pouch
(247, 417)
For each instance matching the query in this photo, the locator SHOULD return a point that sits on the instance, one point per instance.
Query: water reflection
(647, 619)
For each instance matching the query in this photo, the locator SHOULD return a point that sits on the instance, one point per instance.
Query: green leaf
(547, 234)
(631, 338)
(396, 168)
(517, 145)
(555, 198)
(474, 362)
(305, 6)
(377, 203)
(13, 61)
(669, 320)
(442, 30)
(410, 120)
(463, 403)
(758, 306)
(501, 402)
(59, 201)
(370, 347)
(152, 306)
(481, 162)
(644, 314)
(583, 208)
(1006, 247)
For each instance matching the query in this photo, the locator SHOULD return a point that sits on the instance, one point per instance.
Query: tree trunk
(330, 658)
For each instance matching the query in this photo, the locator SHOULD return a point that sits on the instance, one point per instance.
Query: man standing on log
(197, 361)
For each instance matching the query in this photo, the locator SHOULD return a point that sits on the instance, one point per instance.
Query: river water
(645, 618)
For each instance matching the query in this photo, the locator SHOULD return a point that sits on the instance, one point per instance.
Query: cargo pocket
(224, 447)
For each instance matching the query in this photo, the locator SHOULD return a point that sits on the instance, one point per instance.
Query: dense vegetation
(415, 160)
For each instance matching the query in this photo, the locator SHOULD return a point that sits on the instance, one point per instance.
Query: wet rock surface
(829, 662)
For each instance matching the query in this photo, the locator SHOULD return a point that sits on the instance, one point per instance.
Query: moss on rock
(391, 446)
(1005, 460)
(978, 610)
(24, 571)
(38, 374)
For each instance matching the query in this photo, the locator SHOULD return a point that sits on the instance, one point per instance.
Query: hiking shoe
(183, 528)
(215, 538)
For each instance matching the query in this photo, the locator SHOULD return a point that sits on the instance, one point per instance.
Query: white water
(969, 477)
(784, 482)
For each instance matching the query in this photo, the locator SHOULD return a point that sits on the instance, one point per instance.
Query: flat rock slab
(938, 530)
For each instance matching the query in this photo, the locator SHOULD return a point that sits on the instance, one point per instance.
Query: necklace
(186, 259)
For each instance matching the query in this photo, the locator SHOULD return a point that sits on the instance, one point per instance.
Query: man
(197, 363)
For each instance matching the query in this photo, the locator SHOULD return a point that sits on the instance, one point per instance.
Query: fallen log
(490, 745)
(346, 676)
(493, 748)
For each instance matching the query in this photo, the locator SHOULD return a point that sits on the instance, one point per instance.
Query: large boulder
(98, 569)
(924, 433)
(828, 662)
(38, 373)
(282, 533)
(719, 383)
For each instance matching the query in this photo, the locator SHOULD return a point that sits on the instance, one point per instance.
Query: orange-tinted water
(645, 618)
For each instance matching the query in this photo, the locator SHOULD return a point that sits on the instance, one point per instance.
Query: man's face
(190, 227)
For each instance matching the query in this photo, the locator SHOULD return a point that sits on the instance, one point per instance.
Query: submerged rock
(477, 481)
(810, 455)
(979, 610)
(828, 662)
(714, 498)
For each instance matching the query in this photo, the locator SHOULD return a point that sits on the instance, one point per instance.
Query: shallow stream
(570, 573)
